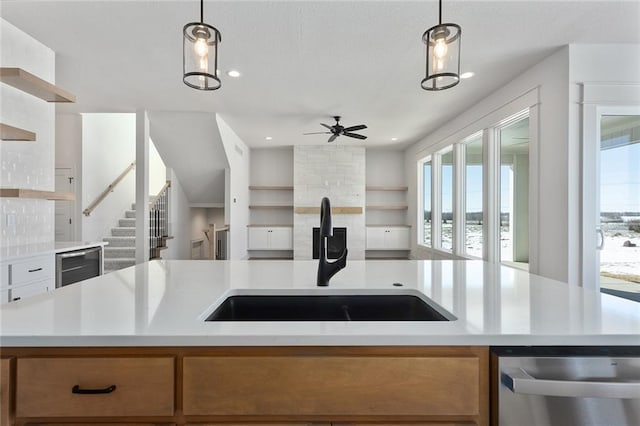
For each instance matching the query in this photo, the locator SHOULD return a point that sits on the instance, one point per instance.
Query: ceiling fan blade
(332, 138)
(354, 128)
(354, 135)
(317, 133)
(327, 126)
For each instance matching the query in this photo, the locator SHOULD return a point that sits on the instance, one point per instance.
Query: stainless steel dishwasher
(78, 265)
(568, 386)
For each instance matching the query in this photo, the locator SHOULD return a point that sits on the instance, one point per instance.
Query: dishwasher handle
(78, 253)
(521, 382)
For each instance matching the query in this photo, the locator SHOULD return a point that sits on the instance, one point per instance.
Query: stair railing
(159, 221)
(109, 190)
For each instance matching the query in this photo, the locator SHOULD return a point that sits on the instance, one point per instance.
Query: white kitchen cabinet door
(375, 238)
(281, 239)
(388, 238)
(397, 238)
(259, 238)
(18, 293)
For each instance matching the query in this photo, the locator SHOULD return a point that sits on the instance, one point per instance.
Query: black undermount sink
(325, 308)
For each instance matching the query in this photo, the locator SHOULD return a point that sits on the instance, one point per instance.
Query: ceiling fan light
(442, 43)
(200, 55)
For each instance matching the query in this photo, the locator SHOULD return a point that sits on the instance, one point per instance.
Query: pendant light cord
(202, 11)
(440, 12)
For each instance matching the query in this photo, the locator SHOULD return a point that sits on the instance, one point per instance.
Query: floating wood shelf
(34, 193)
(387, 207)
(334, 210)
(10, 133)
(29, 83)
(271, 207)
(272, 188)
(387, 188)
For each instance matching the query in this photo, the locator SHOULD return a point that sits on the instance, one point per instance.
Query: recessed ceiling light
(233, 73)
(394, 139)
(467, 74)
(268, 138)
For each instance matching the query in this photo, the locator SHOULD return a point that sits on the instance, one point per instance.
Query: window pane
(620, 203)
(514, 192)
(447, 201)
(426, 172)
(473, 197)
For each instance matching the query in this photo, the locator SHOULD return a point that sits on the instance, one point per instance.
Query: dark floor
(624, 294)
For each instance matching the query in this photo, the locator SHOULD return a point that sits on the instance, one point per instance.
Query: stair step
(123, 232)
(128, 241)
(115, 264)
(119, 252)
(127, 223)
(130, 214)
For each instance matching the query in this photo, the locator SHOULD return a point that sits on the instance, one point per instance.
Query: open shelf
(387, 207)
(272, 188)
(36, 194)
(270, 207)
(29, 83)
(272, 225)
(334, 210)
(387, 188)
(10, 133)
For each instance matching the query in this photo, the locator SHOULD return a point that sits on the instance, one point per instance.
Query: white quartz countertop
(17, 252)
(164, 303)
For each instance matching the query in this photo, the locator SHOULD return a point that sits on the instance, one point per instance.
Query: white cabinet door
(259, 238)
(33, 269)
(281, 239)
(397, 238)
(375, 238)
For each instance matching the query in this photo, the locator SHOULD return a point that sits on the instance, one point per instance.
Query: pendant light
(200, 54)
(443, 55)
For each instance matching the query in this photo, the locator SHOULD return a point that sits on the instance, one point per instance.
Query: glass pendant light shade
(443, 55)
(200, 55)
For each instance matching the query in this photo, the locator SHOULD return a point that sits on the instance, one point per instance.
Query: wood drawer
(5, 390)
(32, 269)
(332, 386)
(143, 387)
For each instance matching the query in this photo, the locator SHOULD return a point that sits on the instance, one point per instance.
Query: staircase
(121, 251)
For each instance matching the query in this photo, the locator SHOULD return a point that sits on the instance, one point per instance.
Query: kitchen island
(141, 331)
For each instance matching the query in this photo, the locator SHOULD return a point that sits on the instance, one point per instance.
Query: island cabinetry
(6, 390)
(446, 385)
(26, 277)
(94, 387)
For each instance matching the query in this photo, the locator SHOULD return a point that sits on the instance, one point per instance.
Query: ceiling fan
(339, 130)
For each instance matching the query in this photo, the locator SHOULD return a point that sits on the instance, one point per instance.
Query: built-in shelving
(29, 83)
(388, 207)
(36, 194)
(334, 210)
(271, 207)
(271, 225)
(10, 133)
(271, 188)
(387, 188)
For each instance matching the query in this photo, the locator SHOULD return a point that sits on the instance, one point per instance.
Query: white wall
(108, 147)
(555, 183)
(237, 190)
(27, 165)
(157, 170)
(385, 167)
(69, 155)
(333, 171)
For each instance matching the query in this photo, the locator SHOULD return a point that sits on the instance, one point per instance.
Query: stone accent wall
(333, 171)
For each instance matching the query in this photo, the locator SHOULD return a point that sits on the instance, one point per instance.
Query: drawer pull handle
(35, 270)
(15, 299)
(76, 389)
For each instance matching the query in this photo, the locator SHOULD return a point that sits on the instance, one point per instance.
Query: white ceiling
(304, 61)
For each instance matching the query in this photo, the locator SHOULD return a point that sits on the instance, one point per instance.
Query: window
(426, 202)
(446, 200)
(473, 232)
(514, 191)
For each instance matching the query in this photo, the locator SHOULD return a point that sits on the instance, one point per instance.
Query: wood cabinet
(27, 277)
(388, 238)
(6, 391)
(271, 238)
(258, 386)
